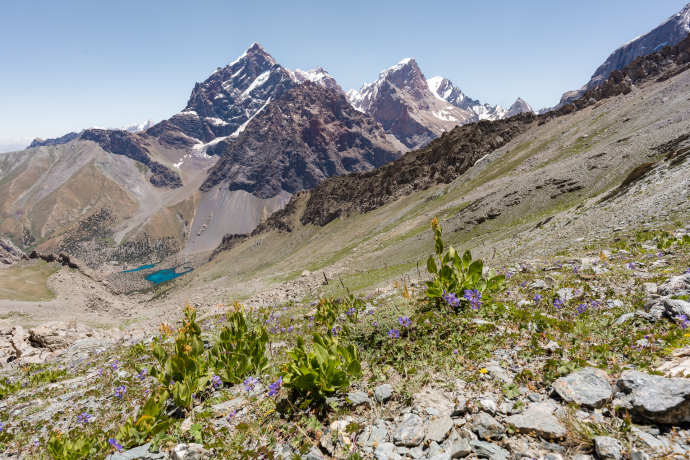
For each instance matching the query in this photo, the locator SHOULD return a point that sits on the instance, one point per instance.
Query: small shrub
(455, 276)
(325, 370)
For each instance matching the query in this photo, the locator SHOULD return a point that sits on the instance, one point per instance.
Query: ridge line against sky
(74, 64)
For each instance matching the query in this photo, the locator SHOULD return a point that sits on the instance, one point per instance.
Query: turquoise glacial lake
(167, 274)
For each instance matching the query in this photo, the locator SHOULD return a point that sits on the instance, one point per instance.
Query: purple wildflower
(114, 365)
(557, 304)
(113, 442)
(120, 391)
(537, 298)
(142, 374)
(394, 333)
(250, 383)
(216, 381)
(575, 269)
(83, 418)
(581, 308)
(683, 321)
(275, 387)
(451, 299)
(404, 321)
(632, 266)
(231, 415)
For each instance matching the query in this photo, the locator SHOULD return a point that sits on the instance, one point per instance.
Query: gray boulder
(608, 448)
(653, 397)
(675, 285)
(489, 450)
(437, 430)
(383, 393)
(373, 435)
(411, 432)
(487, 427)
(539, 419)
(587, 387)
(359, 399)
(460, 448)
(676, 307)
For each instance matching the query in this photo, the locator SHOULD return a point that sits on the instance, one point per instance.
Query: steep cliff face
(405, 106)
(298, 141)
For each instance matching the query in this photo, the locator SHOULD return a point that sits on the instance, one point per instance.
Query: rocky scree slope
(668, 33)
(132, 146)
(298, 141)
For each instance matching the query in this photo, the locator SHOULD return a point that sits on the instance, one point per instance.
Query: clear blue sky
(67, 65)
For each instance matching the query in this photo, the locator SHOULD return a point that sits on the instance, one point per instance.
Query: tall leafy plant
(239, 352)
(456, 275)
(184, 372)
(322, 371)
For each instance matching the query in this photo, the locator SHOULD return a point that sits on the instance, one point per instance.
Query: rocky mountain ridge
(298, 141)
(668, 33)
(455, 152)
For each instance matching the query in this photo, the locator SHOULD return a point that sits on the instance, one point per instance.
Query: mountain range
(250, 137)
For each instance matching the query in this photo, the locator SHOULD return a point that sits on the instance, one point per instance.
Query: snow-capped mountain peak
(443, 89)
(519, 106)
(319, 76)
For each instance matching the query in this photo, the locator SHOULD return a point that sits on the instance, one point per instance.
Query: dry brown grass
(27, 283)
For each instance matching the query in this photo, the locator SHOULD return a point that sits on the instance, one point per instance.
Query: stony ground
(568, 362)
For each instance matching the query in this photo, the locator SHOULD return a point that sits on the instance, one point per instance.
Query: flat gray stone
(141, 452)
(376, 433)
(653, 397)
(539, 419)
(608, 448)
(411, 431)
(437, 429)
(587, 387)
(489, 450)
(415, 453)
(383, 393)
(538, 284)
(228, 406)
(623, 318)
(434, 450)
(441, 456)
(460, 448)
(639, 455)
(487, 427)
(358, 399)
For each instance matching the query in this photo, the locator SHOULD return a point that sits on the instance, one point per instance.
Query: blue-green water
(143, 267)
(167, 274)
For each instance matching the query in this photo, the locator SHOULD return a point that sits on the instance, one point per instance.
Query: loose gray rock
(488, 406)
(675, 285)
(539, 419)
(489, 450)
(384, 451)
(676, 307)
(359, 399)
(434, 450)
(228, 406)
(383, 393)
(487, 427)
(411, 431)
(415, 453)
(608, 448)
(639, 455)
(587, 387)
(653, 397)
(376, 433)
(538, 284)
(650, 288)
(623, 318)
(431, 411)
(141, 452)
(460, 448)
(441, 456)
(437, 430)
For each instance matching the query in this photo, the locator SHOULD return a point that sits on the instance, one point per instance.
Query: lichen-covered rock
(411, 432)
